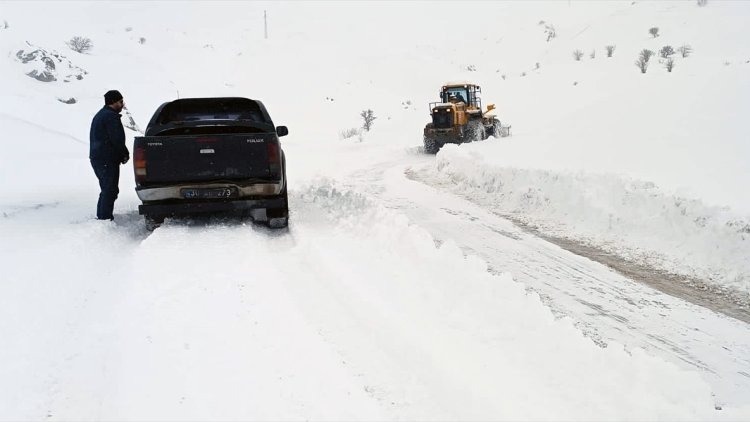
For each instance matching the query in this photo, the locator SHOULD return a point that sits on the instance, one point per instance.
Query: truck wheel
(153, 222)
(278, 218)
(278, 223)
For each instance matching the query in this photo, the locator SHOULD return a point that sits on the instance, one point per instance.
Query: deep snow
(358, 312)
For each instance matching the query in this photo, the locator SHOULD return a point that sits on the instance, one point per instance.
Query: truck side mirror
(282, 130)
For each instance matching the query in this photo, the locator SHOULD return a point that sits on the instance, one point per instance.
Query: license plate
(208, 193)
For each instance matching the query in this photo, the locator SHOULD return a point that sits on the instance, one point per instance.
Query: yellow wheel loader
(458, 118)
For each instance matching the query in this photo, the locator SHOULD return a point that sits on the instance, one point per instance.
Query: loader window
(459, 93)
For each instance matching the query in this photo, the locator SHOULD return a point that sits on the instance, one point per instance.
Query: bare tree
(669, 64)
(641, 64)
(369, 117)
(577, 54)
(654, 32)
(685, 50)
(610, 50)
(666, 51)
(645, 54)
(80, 44)
(643, 57)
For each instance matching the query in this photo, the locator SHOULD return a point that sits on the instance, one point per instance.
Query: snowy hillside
(402, 288)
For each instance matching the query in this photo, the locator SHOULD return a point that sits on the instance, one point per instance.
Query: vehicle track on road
(610, 305)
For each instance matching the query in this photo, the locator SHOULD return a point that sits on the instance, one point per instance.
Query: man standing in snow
(107, 151)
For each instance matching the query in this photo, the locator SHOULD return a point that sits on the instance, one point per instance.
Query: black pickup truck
(209, 155)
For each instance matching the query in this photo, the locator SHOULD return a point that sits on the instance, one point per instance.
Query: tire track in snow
(608, 306)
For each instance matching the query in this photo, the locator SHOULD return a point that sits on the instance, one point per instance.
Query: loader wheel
(494, 131)
(474, 131)
(430, 146)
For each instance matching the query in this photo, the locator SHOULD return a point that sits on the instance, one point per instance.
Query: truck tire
(153, 222)
(278, 218)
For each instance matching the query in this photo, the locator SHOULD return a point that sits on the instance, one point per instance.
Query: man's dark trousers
(108, 173)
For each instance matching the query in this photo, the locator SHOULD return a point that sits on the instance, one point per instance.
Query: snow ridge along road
(606, 305)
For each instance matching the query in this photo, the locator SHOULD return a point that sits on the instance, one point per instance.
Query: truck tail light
(139, 164)
(274, 159)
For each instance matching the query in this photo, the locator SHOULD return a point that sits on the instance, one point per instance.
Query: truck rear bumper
(163, 193)
(188, 208)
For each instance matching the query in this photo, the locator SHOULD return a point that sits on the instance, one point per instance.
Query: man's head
(113, 99)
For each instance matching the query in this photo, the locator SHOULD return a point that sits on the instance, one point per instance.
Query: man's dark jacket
(108, 137)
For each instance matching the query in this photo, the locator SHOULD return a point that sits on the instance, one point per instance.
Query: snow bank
(431, 307)
(631, 218)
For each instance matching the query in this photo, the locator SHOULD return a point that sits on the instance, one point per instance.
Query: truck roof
(209, 111)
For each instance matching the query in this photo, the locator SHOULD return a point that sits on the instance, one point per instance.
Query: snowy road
(351, 314)
(607, 306)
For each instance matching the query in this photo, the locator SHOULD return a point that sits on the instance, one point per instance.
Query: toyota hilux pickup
(211, 155)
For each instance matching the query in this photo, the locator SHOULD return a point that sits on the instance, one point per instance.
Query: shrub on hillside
(654, 32)
(549, 30)
(669, 64)
(577, 54)
(368, 116)
(80, 44)
(685, 50)
(666, 51)
(642, 61)
(610, 50)
(645, 54)
(351, 133)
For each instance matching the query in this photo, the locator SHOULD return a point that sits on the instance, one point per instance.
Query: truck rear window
(207, 109)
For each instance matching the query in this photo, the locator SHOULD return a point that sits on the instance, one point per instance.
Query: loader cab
(466, 93)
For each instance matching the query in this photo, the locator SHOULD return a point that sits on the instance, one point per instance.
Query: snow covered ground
(399, 290)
